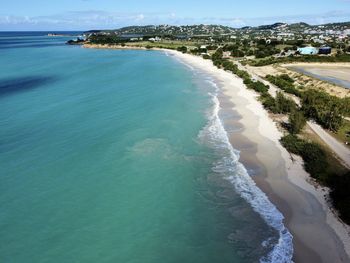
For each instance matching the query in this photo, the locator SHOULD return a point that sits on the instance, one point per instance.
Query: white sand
(318, 234)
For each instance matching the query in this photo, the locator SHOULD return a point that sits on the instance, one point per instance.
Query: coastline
(118, 47)
(318, 234)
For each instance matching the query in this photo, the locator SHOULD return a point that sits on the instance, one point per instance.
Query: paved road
(340, 149)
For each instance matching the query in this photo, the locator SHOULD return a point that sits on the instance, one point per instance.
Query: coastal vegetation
(296, 121)
(346, 105)
(285, 83)
(326, 110)
(313, 155)
(106, 39)
(281, 105)
(299, 59)
(340, 196)
(343, 133)
(182, 49)
(76, 42)
(318, 164)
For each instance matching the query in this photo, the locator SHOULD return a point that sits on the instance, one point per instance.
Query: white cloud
(238, 22)
(97, 19)
(140, 17)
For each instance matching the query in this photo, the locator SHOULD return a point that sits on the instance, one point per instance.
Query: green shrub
(268, 102)
(346, 106)
(284, 104)
(325, 109)
(287, 78)
(217, 56)
(297, 121)
(182, 49)
(293, 144)
(258, 86)
(194, 51)
(285, 83)
(340, 195)
(315, 159)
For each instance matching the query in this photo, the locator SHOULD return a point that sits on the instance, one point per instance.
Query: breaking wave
(228, 165)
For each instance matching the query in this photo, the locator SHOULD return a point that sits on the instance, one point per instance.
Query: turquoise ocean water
(119, 156)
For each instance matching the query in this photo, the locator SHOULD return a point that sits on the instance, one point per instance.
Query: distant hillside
(297, 26)
(339, 26)
(273, 26)
(175, 30)
(212, 30)
(301, 26)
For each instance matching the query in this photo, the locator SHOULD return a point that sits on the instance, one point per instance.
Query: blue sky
(109, 14)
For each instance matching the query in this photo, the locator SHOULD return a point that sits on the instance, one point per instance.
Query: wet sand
(318, 236)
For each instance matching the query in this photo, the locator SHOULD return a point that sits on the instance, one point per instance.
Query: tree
(217, 57)
(340, 195)
(283, 104)
(237, 53)
(346, 106)
(182, 49)
(218, 54)
(325, 109)
(297, 121)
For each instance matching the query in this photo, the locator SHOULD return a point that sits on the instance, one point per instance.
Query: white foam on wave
(229, 166)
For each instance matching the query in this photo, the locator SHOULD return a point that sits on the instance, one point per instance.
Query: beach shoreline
(318, 234)
(284, 180)
(118, 47)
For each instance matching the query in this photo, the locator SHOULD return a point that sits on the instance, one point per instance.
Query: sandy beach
(318, 235)
(107, 46)
(120, 47)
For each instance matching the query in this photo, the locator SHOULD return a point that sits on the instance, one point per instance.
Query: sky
(34, 15)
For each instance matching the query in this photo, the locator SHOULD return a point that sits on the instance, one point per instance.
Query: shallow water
(117, 156)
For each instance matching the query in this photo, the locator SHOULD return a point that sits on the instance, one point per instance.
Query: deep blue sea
(120, 156)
